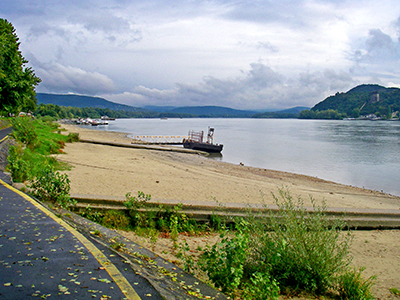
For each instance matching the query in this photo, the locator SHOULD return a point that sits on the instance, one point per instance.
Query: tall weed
(302, 249)
(352, 286)
(224, 261)
(24, 131)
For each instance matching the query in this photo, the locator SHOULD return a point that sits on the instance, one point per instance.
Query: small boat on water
(196, 141)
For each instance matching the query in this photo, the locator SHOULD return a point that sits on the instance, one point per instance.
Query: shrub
(261, 287)
(301, 249)
(52, 186)
(135, 206)
(352, 286)
(116, 219)
(224, 261)
(24, 131)
(72, 137)
(18, 167)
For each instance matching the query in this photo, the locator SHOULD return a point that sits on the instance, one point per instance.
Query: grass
(395, 291)
(30, 159)
(297, 251)
(37, 140)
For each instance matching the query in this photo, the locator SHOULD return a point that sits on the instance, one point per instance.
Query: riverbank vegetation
(30, 159)
(290, 252)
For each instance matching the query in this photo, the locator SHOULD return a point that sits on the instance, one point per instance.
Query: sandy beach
(165, 175)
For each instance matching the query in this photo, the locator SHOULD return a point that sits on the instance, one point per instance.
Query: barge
(196, 141)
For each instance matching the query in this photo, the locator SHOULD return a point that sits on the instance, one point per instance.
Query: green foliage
(52, 186)
(352, 286)
(116, 219)
(91, 214)
(261, 287)
(224, 261)
(395, 291)
(136, 205)
(301, 249)
(62, 112)
(36, 140)
(24, 131)
(18, 165)
(17, 82)
(24, 164)
(356, 102)
(72, 137)
(328, 114)
(184, 254)
(293, 249)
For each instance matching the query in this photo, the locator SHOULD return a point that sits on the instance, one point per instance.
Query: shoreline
(114, 171)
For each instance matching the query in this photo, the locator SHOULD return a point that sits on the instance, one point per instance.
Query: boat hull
(211, 148)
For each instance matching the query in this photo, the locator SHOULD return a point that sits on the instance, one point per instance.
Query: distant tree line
(329, 114)
(64, 112)
(276, 115)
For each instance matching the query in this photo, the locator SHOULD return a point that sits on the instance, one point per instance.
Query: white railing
(159, 139)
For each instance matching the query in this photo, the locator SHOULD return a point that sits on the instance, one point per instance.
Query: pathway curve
(41, 256)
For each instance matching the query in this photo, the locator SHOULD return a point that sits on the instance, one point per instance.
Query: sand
(114, 171)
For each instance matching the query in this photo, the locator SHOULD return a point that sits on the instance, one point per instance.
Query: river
(359, 153)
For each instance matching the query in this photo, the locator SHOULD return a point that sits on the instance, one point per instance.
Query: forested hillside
(362, 100)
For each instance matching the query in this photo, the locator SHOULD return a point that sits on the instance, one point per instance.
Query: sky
(244, 54)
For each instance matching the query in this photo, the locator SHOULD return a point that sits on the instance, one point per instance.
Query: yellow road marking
(4, 138)
(115, 274)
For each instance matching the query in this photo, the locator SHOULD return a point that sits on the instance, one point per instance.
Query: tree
(17, 82)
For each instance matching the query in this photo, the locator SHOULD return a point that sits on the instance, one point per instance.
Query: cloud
(260, 87)
(241, 54)
(377, 60)
(61, 79)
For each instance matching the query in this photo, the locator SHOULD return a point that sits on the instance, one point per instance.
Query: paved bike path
(43, 257)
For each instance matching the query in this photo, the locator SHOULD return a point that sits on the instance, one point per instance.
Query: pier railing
(160, 139)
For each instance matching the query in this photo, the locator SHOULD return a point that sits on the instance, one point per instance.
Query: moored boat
(196, 141)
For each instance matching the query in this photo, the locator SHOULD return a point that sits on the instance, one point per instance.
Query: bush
(303, 250)
(24, 131)
(135, 206)
(52, 186)
(224, 261)
(261, 287)
(116, 219)
(72, 137)
(17, 165)
(292, 249)
(352, 286)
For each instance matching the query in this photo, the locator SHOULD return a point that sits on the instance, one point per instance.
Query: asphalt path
(42, 257)
(4, 133)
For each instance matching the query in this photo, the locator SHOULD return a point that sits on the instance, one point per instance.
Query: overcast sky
(241, 54)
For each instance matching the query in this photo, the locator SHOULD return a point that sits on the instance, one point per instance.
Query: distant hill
(293, 112)
(163, 111)
(212, 111)
(82, 101)
(363, 100)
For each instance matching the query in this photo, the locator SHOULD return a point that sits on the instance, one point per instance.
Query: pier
(159, 139)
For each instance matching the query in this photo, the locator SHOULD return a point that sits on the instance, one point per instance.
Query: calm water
(359, 153)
